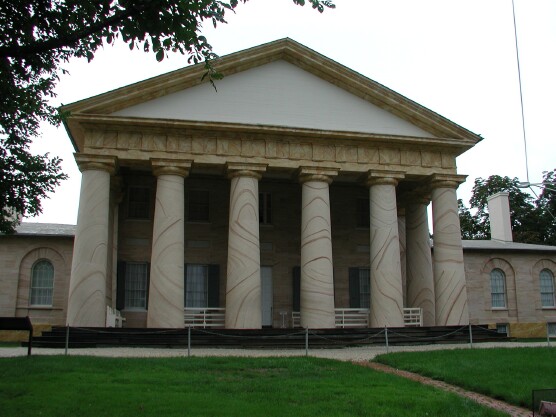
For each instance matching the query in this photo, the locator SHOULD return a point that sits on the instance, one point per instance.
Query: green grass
(509, 374)
(93, 386)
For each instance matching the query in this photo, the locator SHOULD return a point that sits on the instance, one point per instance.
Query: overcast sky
(455, 57)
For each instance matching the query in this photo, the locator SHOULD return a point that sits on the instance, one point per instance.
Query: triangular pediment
(276, 94)
(281, 84)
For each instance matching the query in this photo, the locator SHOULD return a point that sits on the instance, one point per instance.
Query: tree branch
(17, 51)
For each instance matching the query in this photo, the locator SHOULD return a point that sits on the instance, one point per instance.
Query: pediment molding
(293, 53)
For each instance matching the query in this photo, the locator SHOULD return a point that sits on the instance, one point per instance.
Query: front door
(266, 295)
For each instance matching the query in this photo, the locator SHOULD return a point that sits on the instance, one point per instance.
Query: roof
(499, 245)
(45, 229)
(101, 108)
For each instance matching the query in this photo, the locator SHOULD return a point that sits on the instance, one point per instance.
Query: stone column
(317, 275)
(166, 289)
(89, 267)
(420, 282)
(386, 275)
(243, 283)
(449, 273)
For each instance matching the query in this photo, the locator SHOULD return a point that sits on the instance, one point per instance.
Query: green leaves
(37, 36)
(530, 218)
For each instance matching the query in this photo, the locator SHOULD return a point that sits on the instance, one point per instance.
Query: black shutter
(213, 286)
(354, 290)
(296, 305)
(120, 286)
(184, 285)
(148, 285)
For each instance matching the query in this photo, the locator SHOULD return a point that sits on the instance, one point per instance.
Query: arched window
(42, 283)
(547, 288)
(498, 288)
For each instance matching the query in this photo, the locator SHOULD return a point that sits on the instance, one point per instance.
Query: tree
(530, 218)
(38, 36)
(546, 207)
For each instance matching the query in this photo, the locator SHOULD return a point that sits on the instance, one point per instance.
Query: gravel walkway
(357, 354)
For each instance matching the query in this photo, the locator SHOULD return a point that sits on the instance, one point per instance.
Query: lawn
(509, 374)
(93, 386)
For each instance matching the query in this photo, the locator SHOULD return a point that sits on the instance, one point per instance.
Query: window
(198, 206)
(551, 328)
(202, 286)
(132, 290)
(265, 208)
(547, 288)
(136, 285)
(196, 285)
(359, 288)
(363, 213)
(42, 283)
(139, 200)
(502, 328)
(498, 288)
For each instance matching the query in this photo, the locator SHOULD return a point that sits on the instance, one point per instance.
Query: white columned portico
(89, 269)
(449, 273)
(317, 275)
(166, 289)
(243, 283)
(420, 281)
(386, 275)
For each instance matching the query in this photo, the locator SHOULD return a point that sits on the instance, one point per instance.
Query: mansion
(293, 195)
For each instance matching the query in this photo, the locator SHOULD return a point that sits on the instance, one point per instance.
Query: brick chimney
(499, 213)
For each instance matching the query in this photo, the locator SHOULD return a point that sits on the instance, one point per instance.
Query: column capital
(236, 169)
(87, 162)
(384, 177)
(322, 174)
(170, 167)
(446, 180)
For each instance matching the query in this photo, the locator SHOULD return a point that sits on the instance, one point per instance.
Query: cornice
(292, 52)
(80, 123)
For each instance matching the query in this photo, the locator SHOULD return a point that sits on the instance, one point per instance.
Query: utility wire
(520, 95)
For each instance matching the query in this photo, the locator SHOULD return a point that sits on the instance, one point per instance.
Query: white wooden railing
(413, 317)
(359, 317)
(205, 317)
(351, 317)
(114, 318)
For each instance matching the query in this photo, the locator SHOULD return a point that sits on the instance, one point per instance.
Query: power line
(520, 95)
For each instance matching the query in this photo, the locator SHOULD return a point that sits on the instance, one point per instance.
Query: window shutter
(354, 296)
(296, 302)
(213, 286)
(148, 285)
(120, 286)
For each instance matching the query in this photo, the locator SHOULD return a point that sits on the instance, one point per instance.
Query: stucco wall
(17, 257)
(522, 271)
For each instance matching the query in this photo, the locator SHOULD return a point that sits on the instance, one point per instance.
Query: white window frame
(41, 289)
(136, 290)
(551, 329)
(503, 328)
(497, 294)
(547, 289)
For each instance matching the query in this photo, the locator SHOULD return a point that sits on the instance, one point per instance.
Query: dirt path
(512, 410)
